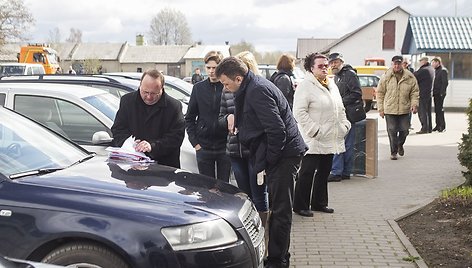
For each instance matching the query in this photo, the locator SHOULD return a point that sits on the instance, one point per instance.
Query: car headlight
(200, 235)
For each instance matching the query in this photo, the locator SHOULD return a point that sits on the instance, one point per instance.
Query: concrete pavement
(358, 234)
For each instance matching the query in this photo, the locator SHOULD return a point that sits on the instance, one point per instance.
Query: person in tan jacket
(397, 95)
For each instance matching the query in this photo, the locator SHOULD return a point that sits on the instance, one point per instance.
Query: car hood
(148, 189)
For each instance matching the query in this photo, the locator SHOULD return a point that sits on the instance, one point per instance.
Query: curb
(407, 244)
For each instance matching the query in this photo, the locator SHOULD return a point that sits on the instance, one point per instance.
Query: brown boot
(264, 215)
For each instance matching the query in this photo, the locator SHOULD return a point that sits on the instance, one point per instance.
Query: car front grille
(252, 223)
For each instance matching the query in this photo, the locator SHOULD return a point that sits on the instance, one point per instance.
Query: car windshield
(12, 70)
(182, 85)
(106, 103)
(26, 146)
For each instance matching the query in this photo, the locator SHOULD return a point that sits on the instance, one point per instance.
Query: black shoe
(441, 130)
(435, 129)
(345, 177)
(401, 151)
(421, 132)
(304, 213)
(334, 178)
(324, 209)
(393, 156)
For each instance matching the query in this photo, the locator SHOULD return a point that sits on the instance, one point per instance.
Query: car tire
(84, 254)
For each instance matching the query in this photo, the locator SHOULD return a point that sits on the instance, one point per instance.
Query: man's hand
(230, 120)
(414, 109)
(197, 147)
(142, 146)
(381, 114)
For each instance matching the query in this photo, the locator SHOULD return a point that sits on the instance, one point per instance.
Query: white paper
(127, 152)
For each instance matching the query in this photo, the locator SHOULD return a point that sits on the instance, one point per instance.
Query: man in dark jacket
(201, 121)
(424, 75)
(154, 118)
(350, 89)
(439, 93)
(265, 124)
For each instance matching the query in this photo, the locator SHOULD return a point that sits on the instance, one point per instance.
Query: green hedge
(465, 148)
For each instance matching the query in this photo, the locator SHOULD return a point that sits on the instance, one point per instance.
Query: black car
(62, 205)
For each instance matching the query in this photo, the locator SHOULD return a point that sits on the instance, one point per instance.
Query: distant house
(306, 46)
(449, 38)
(380, 38)
(168, 59)
(194, 57)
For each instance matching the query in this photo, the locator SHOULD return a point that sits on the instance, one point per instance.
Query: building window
(388, 35)
(461, 66)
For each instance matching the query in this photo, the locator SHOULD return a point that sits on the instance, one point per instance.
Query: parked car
(113, 87)
(268, 70)
(15, 68)
(175, 87)
(369, 83)
(83, 114)
(61, 204)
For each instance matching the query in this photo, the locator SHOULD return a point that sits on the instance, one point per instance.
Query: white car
(81, 113)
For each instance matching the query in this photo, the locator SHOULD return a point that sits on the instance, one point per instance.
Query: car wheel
(84, 255)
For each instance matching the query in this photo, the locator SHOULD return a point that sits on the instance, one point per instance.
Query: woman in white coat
(319, 111)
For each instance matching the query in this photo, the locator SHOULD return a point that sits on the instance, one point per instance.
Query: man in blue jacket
(265, 124)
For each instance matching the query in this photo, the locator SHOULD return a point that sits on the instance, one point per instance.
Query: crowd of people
(283, 145)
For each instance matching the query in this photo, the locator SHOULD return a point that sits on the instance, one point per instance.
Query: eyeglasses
(150, 94)
(322, 66)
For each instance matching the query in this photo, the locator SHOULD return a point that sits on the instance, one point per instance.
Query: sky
(269, 25)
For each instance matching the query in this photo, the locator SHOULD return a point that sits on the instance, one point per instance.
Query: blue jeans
(246, 178)
(397, 129)
(208, 161)
(343, 162)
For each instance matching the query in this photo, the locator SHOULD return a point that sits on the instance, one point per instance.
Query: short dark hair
(231, 67)
(214, 56)
(154, 73)
(437, 59)
(310, 60)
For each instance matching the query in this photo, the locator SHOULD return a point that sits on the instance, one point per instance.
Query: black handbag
(355, 112)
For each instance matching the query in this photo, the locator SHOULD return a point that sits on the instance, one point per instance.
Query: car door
(60, 115)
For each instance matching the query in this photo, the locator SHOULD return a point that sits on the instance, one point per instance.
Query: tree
(54, 36)
(170, 27)
(75, 36)
(15, 21)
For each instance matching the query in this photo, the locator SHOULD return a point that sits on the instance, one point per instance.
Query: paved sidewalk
(358, 234)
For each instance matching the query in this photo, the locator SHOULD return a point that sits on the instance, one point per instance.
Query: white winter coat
(320, 115)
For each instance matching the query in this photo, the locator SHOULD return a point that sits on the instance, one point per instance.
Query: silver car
(83, 114)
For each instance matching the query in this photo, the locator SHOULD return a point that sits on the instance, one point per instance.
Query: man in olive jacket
(397, 95)
(265, 124)
(154, 118)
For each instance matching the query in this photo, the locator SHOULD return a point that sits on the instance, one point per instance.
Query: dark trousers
(246, 178)
(312, 182)
(397, 129)
(424, 114)
(208, 161)
(439, 111)
(280, 180)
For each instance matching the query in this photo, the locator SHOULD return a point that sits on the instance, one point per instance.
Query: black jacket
(201, 120)
(424, 75)
(234, 148)
(440, 81)
(265, 123)
(161, 124)
(349, 87)
(283, 80)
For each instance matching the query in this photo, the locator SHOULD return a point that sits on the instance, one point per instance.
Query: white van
(14, 68)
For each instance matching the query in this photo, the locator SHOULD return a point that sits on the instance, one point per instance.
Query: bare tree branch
(170, 27)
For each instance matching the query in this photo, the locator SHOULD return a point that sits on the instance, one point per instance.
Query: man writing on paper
(154, 118)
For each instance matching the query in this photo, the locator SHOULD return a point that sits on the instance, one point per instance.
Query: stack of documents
(127, 152)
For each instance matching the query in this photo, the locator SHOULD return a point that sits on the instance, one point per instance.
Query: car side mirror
(101, 138)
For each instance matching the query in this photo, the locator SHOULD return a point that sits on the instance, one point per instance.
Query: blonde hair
(249, 59)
